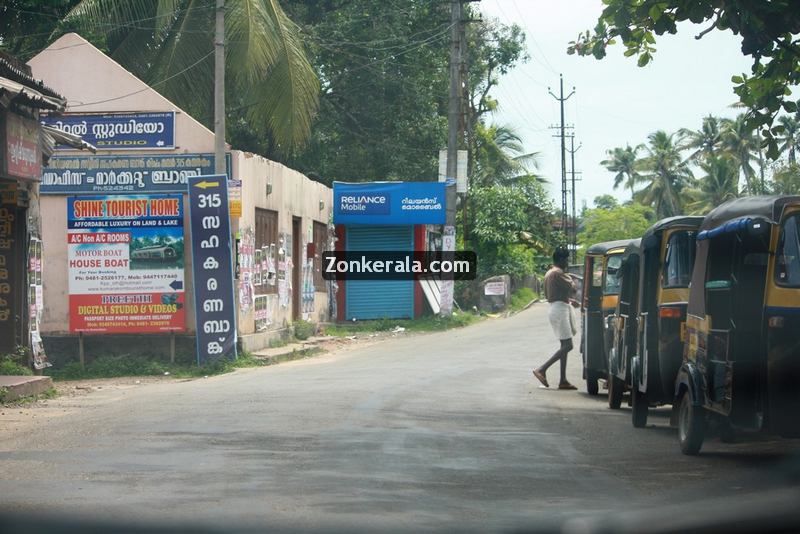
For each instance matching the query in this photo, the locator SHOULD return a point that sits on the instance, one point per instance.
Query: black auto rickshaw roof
(767, 207)
(670, 222)
(603, 248)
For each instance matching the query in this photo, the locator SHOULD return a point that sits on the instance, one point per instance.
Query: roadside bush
(15, 363)
(304, 330)
(521, 297)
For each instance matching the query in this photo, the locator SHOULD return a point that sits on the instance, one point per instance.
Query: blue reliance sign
(389, 203)
(118, 131)
(69, 175)
(214, 304)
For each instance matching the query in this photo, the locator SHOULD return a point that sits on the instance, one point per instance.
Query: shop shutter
(378, 299)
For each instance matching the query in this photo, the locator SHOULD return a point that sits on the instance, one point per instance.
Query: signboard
(215, 306)
(447, 287)
(118, 131)
(389, 203)
(494, 288)
(126, 263)
(21, 153)
(124, 174)
(235, 198)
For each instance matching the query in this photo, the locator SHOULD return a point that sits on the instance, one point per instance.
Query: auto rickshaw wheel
(691, 425)
(615, 389)
(639, 407)
(592, 386)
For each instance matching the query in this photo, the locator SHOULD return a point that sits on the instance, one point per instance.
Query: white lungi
(562, 319)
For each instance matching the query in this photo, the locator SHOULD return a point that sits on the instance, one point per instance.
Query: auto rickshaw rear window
(787, 257)
(679, 260)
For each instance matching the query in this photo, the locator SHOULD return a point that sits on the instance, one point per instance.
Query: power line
(149, 87)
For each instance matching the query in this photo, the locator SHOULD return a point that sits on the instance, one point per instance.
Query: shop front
(384, 217)
(24, 150)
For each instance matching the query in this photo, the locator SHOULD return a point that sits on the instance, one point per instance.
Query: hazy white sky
(615, 101)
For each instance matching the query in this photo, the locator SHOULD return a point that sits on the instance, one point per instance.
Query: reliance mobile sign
(389, 203)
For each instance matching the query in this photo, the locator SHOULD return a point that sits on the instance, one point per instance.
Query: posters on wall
(246, 263)
(125, 263)
(215, 306)
(264, 311)
(36, 303)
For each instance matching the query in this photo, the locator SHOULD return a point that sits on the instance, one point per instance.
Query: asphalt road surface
(439, 431)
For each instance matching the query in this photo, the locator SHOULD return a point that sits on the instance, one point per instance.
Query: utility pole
(561, 99)
(574, 232)
(453, 127)
(219, 89)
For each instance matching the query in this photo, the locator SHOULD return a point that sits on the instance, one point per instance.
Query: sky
(615, 102)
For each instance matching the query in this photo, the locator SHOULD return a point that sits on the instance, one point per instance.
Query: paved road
(421, 431)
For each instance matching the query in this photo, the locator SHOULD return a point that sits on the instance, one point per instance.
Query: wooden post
(172, 347)
(81, 353)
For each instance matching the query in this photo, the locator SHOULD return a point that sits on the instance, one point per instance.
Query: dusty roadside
(75, 395)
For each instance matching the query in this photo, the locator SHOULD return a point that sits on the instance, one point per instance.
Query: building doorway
(297, 266)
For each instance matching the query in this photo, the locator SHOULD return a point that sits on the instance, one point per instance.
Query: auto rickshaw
(666, 258)
(624, 325)
(741, 366)
(600, 290)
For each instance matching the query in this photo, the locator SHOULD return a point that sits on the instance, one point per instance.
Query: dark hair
(560, 254)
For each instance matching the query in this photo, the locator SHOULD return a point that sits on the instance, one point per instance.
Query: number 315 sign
(215, 315)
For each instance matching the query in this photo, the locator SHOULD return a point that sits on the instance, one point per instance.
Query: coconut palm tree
(665, 173)
(704, 142)
(622, 161)
(718, 184)
(170, 45)
(739, 141)
(791, 136)
(500, 157)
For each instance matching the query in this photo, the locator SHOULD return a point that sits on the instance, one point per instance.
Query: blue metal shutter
(378, 299)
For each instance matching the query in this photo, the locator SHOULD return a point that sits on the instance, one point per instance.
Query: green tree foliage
(622, 222)
(272, 87)
(718, 184)
(384, 72)
(768, 31)
(623, 162)
(704, 142)
(786, 180)
(509, 226)
(606, 202)
(499, 157)
(665, 174)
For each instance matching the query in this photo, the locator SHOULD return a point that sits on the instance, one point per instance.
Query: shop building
(25, 150)
(147, 150)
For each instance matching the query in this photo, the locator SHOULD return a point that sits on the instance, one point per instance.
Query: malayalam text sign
(124, 174)
(126, 263)
(212, 266)
(118, 131)
(389, 203)
(22, 155)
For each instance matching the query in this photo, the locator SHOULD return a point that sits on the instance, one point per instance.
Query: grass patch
(27, 399)
(124, 365)
(8, 367)
(521, 297)
(431, 323)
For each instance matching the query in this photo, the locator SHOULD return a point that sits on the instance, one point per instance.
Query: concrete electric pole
(219, 89)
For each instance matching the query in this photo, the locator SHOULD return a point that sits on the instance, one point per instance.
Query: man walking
(558, 287)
